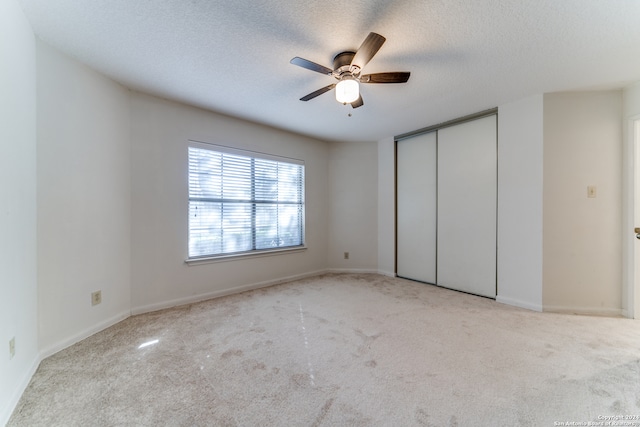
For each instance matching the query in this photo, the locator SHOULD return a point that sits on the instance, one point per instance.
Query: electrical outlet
(346, 255)
(12, 347)
(96, 297)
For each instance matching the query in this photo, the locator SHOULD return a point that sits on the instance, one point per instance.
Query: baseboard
(386, 273)
(221, 293)
(10, 406)
(352, 271)
(53, 349)
(587, 311)
(518, 303)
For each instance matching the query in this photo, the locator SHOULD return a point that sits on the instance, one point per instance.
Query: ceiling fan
(347, 68)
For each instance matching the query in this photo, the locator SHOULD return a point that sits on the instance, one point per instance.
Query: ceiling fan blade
(366, 51)
(358, 102)
(392, 77)
(305, 63)
(318, 92)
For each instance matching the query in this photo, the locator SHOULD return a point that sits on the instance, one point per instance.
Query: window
(243, 202)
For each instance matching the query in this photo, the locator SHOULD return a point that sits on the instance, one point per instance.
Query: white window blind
(240, 202)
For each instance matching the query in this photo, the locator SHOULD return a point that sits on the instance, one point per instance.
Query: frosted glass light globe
(347, 91)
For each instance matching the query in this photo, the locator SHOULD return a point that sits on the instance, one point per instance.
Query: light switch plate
(12, 347)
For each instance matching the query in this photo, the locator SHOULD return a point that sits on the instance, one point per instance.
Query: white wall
(582, 236)
(520, 156)
(84, 200)
(631, 100)
(18, 288)
(160, 131)
(353, 206)
(557, 249)
(386, 207)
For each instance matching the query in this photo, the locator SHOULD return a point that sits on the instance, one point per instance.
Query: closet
(446, 205)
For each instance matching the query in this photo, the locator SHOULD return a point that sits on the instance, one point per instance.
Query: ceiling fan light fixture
(347, 67)
(347, 91)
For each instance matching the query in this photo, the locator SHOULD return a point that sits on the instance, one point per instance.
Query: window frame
(252, 252)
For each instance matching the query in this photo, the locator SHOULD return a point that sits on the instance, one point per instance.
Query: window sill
(244, 255)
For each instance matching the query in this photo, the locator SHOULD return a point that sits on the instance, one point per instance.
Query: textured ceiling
(233, 56)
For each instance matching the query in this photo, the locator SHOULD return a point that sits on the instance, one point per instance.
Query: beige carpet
(342, 350)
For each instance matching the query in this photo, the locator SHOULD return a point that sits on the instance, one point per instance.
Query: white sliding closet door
(467, 197)
(416, 207)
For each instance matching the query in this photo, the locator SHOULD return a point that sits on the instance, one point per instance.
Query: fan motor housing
(342, 62)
